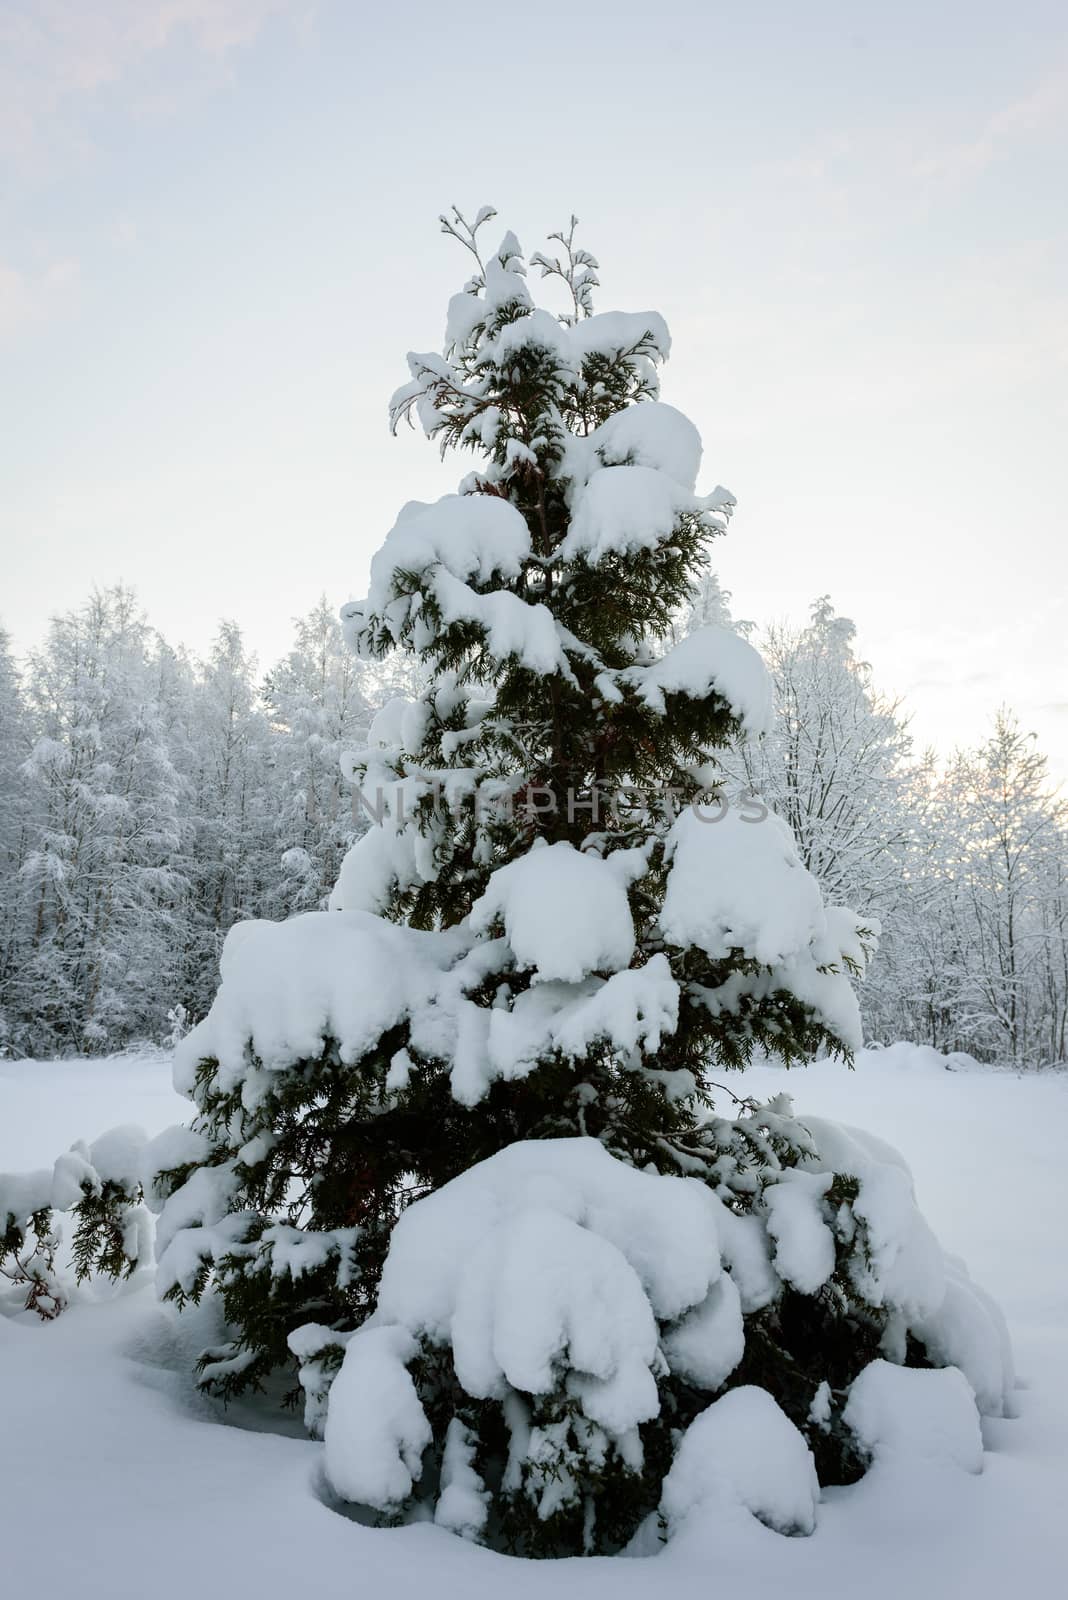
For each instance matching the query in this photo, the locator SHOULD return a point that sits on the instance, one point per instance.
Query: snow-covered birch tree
(98, 884)
(233, 858)
(1003, 863)
(14, 831)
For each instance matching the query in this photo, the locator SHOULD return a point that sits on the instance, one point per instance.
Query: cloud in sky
(1042, 110)
(55, 54)
(909, 153)
(27, 298)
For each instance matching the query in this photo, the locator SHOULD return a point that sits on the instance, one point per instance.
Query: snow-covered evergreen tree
(455, 1148)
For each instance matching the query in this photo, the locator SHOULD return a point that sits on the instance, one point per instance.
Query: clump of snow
(895, 1260)
(804, 1244)
(565, 913)
(387, 856)
(444, 553)
(504, 275)
(819, 1411)
(616, 333)
(901, 1263)
(466, 313)
(174, 1147)
(621, 510)
(707, 1344)
(115, 1158)
(820, 975)
(197, 1225)
(315, 1348)
(710, 660)
(541, 331)
(295, 1251)
(747, 1256)
(655, 436)
(967, 1329)
(541, 1290)
(463, 1503)
(475, 537)
(908, 1413)
(743, 1452)
(289, 987)
(23, 1193)
(510, 626)
(735, 884)
(40, 1272)
(630, 1009)
(399, 725)
(664, 1228)
(71, 1175)
(376, 1428)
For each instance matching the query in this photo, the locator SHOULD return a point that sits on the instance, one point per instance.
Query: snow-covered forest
(152, 799)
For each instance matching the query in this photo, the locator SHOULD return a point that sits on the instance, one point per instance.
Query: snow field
(99, 1412)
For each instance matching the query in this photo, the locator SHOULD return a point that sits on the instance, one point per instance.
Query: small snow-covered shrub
(96, 1187)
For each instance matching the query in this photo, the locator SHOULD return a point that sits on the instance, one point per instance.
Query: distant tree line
(963, 858)
(149, 800)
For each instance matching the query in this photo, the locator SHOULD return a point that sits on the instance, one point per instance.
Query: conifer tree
(489, 1076)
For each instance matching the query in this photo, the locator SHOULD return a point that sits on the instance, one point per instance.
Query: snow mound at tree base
(743, 1452)
(567, 1350)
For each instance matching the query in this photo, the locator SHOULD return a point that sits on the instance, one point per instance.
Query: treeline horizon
(152, 798)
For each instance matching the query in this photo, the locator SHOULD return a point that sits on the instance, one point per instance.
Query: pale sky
(218, 240)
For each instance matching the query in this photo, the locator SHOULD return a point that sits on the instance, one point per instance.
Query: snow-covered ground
(117, 1479)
